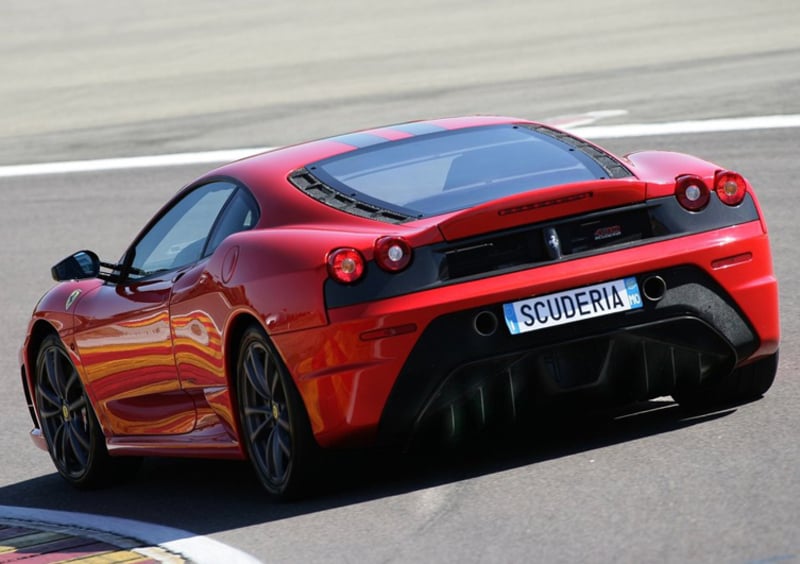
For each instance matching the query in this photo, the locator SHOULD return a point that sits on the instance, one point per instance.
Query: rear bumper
(379, 369)
(691, 333)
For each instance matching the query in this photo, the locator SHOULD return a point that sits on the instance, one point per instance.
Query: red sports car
(354, 290)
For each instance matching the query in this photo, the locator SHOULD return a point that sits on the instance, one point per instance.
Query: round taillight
(731, 187)
(345, 265)
(392, 253)
(691, 192)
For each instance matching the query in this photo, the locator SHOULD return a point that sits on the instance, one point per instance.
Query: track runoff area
(154, 543)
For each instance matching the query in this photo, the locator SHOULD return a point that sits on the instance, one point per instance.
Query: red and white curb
(155, 543)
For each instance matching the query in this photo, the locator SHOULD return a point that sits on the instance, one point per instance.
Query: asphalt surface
(654, 484)
(122, 79)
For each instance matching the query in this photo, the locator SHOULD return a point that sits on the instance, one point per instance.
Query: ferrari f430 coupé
(352, 290)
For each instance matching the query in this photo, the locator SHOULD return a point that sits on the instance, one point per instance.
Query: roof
(286, 159)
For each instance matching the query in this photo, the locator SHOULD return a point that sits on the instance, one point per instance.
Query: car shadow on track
(208, 496)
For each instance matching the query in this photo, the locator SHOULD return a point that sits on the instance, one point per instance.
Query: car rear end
(491, 288)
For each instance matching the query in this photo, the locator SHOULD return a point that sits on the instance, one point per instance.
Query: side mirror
(79, 266)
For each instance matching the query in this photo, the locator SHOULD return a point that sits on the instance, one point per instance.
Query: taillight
(392, 253)
(345, 265)
(692, 192)
(731, 187)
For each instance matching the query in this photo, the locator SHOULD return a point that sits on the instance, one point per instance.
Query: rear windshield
(441, 172)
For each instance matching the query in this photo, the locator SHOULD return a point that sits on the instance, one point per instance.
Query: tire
(74, 437)
(274, 425)
(746, 383)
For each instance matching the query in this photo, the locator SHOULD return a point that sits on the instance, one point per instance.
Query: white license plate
(569, 306)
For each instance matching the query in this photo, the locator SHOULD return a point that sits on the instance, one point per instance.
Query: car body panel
(543, 204)
(348, 400)
(123, 337)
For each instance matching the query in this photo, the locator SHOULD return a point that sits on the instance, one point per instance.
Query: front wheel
(74, 438)
(746, 383)
(274, 424)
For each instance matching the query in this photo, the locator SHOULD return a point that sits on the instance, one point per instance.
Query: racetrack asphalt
(723, 482)
(153, 78)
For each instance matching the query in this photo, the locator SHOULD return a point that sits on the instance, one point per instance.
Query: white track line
(592, 132)
(694, 126)
(201, 550)
(574, 121)
(129, 162)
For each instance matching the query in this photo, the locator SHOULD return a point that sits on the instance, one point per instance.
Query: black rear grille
(306, 182)
(542, 243)
(494, 254)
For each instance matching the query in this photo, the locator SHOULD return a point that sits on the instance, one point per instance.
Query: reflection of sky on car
(454, 170)
(162, 249)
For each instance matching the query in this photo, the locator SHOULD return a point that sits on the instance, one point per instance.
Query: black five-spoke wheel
(73, 435)
(274, 423)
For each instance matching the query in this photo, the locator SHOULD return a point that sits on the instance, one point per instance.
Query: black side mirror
(79, 266)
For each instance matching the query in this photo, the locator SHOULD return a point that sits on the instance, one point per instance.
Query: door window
(178, 238)
(240, 214)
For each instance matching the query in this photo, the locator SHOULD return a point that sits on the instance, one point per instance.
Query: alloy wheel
(64, 411)
(265, 415)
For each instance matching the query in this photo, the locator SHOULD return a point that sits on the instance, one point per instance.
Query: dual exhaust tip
(485, 323)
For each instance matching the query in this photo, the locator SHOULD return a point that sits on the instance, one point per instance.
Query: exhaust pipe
(485, 323)
(654, 288)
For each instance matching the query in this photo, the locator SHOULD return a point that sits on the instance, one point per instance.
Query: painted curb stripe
(197, 549)
(39, 547)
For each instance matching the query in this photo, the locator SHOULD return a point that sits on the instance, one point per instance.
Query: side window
(179, 236)
(240, 214)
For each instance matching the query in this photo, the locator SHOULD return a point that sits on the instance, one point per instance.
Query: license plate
(569, 306)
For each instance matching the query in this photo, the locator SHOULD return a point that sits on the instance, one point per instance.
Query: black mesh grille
(612, 166)
(532, 245)
(306, 182)
(538, 245)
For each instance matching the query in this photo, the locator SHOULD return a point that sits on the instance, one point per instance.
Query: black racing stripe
(418, 128)
(359, 140)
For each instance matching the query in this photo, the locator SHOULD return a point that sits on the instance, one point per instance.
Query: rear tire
(744, 384)
(274, 425)
(70, 427)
